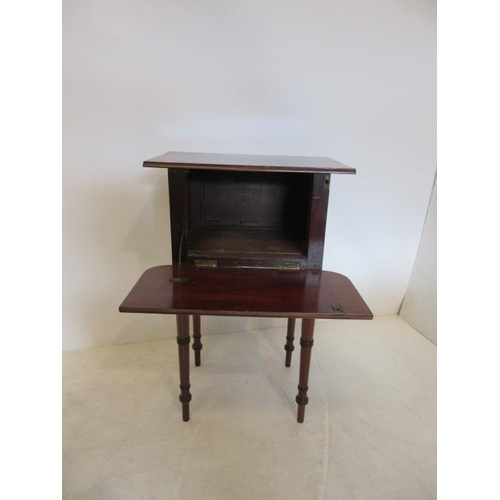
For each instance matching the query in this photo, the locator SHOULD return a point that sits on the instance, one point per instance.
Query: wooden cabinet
(248, 235)
(248, 211)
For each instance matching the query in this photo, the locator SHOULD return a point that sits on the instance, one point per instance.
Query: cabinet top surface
(219, 161)
(246, 292)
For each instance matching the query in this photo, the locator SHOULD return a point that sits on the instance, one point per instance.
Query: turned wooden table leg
(306, 343)
(197, 345)
(289, 341)
(183, 340)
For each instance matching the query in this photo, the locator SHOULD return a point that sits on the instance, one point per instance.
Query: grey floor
(369, 433)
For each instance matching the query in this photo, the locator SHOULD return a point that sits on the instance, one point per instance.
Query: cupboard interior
(255, 214)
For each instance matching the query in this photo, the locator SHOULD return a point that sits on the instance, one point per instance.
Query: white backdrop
(419, 307)
(351, 79)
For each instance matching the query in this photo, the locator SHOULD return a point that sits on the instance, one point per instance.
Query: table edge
(245, 314)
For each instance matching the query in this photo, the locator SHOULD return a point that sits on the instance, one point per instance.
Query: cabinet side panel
(317, 220)
(179, 211)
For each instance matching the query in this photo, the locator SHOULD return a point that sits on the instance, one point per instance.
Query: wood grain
(306, 343)
(245, 292)
(183, 340)
(268, 163)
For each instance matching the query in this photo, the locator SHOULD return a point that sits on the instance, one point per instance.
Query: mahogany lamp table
(247, 237)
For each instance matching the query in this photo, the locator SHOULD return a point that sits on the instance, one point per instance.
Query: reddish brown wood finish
(268, 163)
(248, 219)
(251, 215)
(231, 243)
(183, 340)
(179, 209)
(317, 221)
(245, 292)
(290, 336)
(197, 345)
(306, 343)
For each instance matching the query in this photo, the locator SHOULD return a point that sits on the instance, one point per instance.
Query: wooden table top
(246, 292)
(261, 163)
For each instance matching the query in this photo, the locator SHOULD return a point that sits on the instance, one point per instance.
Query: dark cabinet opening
(248, 211)
(249, 215)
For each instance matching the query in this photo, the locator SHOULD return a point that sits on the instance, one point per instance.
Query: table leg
(197, 345)
(306, 343)
(289, 341)
(183, 340)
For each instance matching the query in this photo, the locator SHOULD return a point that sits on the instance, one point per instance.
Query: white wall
(352, 79)
(419, 308)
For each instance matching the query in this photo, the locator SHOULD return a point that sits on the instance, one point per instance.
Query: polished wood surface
(245, 292)
(260, 222)
(290, 337)
(269, 163)
(306, 343)
(197, 345)
(183, 341)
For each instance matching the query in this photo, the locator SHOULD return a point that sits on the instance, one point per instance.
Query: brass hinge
(205, 263)
(289, 266)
